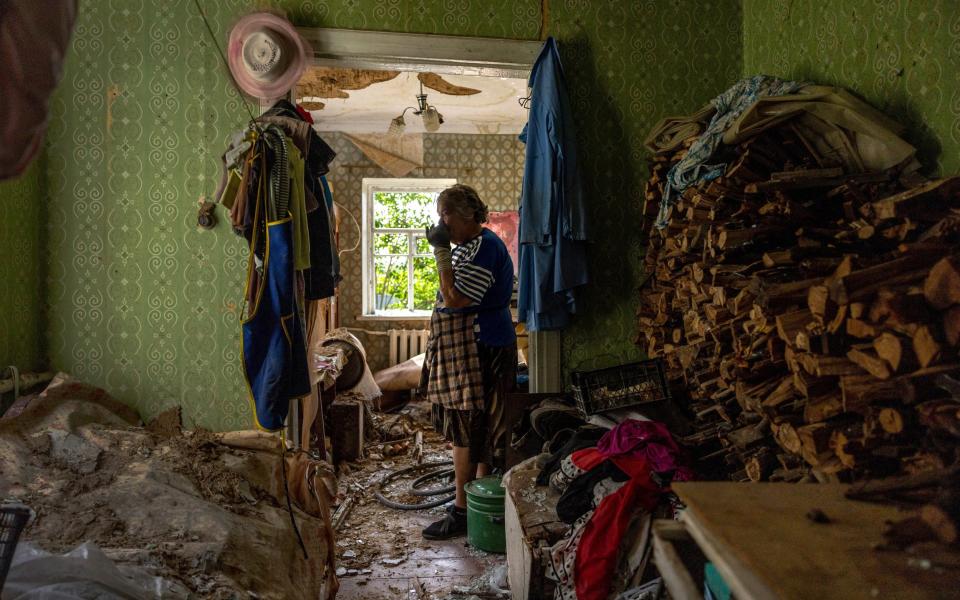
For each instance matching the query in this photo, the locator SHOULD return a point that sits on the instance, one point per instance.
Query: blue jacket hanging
(273, 341)
(553, 220)
(274, 349)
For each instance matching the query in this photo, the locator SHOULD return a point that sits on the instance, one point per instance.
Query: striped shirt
(483, 272)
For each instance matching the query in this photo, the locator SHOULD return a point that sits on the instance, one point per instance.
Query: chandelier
(432, 119)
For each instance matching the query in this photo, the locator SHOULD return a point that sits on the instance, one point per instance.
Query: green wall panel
(21, 271)
(903, 56)
(628, 64)
(146, 305)
(141, 302)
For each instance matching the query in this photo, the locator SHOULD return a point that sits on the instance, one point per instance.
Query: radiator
(406, 343)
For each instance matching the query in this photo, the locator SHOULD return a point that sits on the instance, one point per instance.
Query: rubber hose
(400, 506)
(416, 488)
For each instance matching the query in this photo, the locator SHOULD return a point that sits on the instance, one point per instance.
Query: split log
(870, 362)
(915, 200)
(760, 465)
(897, 351)
(925, 346)
(815, 443)
(951, 325)
(942, 286)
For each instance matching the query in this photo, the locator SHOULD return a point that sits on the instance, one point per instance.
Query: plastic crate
(622, 386)
(13, 518)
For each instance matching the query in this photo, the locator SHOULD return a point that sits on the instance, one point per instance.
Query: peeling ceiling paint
(481, 105)
(325, 82)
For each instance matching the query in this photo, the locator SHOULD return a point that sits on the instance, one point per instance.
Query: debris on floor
(380, 551)
(182, 505)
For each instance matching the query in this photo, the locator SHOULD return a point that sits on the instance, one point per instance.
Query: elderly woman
(472, 353)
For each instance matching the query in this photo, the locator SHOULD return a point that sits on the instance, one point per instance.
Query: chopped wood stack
(810, 316)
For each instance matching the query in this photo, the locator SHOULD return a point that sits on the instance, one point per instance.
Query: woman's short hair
(464, 200)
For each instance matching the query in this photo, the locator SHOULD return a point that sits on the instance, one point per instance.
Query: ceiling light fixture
(432, 119)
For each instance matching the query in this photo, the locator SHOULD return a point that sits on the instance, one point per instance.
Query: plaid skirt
(466, 420)
(451, 367)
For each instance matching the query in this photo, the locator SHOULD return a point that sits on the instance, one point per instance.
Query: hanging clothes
(298, 211)
(272, 185)
(273, 337)
(729, 105)
(321, 280)
(323, 275)
(553, 219)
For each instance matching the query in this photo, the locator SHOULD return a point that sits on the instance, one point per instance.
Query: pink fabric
(506, 224)
(650, 440)
(34, 36)
(274, 84)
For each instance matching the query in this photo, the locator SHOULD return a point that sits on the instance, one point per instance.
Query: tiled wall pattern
(21, 271)
(492, 164)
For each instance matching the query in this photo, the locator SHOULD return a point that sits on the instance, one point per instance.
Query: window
(399, 272)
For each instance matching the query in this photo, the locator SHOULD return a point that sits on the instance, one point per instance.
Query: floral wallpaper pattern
(629, 64)
(140, 301)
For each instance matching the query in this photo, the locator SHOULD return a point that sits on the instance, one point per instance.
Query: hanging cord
(223, 57)
(355, 222)
(544, 19)
(286, 491)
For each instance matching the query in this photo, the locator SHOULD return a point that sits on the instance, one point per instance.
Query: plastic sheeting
(835, 124)
(84, 572)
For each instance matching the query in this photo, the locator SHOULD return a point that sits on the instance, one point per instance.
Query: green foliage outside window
(404, 210)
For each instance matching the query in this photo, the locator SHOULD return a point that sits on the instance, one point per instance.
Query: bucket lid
(486, 487)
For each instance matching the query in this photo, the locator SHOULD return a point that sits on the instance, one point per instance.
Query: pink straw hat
(266, 55)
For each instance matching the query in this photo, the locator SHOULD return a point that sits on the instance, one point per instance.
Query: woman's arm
(452, 298)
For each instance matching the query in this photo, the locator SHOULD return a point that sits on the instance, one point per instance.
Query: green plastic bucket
(485, 515)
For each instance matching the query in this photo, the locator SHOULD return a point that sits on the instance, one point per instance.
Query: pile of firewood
(809, 316)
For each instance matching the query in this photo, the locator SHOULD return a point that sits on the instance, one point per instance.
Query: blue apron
(273, 347)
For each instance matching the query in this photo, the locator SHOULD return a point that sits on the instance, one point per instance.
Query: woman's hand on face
(438, 236)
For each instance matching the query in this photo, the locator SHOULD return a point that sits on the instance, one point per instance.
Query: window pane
(390, 243)
(426, 283)
(390, 286)
(404, 209)
(423, 246)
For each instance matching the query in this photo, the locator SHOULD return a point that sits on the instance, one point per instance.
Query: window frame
(371, 186)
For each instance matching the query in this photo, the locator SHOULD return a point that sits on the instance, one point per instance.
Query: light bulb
(397, 125)
(431, 119)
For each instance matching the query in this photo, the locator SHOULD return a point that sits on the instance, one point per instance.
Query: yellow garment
(298, 209)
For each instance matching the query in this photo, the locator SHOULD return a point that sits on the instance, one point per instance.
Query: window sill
(393, 317)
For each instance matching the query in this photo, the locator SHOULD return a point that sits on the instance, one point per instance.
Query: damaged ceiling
(365, 101)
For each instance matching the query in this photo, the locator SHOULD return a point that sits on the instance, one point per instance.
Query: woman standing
(471, 357)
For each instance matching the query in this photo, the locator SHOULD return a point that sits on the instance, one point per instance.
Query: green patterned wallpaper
(144, 304)
(140, 301)
(628, 64)
(903, 56)
(21, 271)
